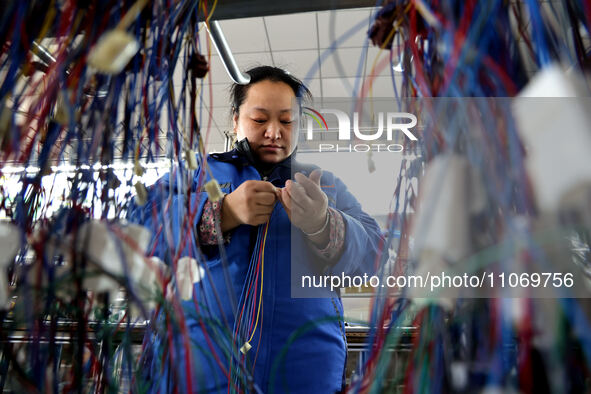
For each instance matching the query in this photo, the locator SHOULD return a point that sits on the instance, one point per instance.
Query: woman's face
(266, 119)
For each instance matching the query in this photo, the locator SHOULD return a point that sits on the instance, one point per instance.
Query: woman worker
(247, 333)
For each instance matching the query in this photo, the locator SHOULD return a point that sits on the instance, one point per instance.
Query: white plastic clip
(113, 51)
(138, 169)
(187, 274)
(9, 245)
(191, 159)
(214, 192)
(245, 348)
(142, 194)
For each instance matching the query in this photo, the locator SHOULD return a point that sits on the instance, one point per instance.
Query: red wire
(459, 38)
(379, 340)
(208, 340)
(417, 321)
(186, 345)
(159, 231)
(420, 74)
(525, 365)
(50, 79)
(522, 33)
(209, 343)
(239, 320)
(247, 294)
(256, 355)
(368, 82)
(210, 84)
(508, 83)
(258, 271)
(170, 345)
(587, 9)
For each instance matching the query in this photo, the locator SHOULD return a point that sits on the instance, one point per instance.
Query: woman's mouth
(272, 147)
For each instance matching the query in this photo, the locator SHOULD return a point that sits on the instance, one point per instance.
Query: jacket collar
(241, 155)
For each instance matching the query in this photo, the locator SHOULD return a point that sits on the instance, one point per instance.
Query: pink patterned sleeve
(208, 234)
(336, 237)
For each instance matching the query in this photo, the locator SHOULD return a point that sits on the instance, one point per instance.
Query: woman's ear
(235, 123)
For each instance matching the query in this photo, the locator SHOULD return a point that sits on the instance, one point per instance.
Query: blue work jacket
(300, 344)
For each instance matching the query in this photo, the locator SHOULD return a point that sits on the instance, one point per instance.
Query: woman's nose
(273, 131)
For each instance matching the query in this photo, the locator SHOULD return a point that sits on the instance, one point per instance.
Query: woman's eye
(286, 121)
(259, 121)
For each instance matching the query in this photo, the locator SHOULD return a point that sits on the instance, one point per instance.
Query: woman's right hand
(251, 203)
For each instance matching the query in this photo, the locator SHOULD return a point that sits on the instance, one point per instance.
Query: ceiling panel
(344, 63)
(342, 22)
(291, 32)
(299, 63)
(382, 86)
(222, 117)
(314, 86)
(219, 96)
(381, 60)
(218, 123)
(249, 60)
(338, 87)
(245, 35)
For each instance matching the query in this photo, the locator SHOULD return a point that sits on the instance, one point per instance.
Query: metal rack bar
(220, 43)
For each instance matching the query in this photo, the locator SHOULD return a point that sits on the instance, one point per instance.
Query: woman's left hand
(305, 202)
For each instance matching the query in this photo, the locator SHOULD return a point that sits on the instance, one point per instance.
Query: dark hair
(267, 73)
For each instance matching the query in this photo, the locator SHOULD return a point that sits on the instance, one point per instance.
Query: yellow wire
(426, 13)
(262, 277)
(215, 3)
(209, 15)
(47, 22)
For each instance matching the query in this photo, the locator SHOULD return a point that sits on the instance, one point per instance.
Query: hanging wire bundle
(478, 207)
(87, 101)
(89, 113)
